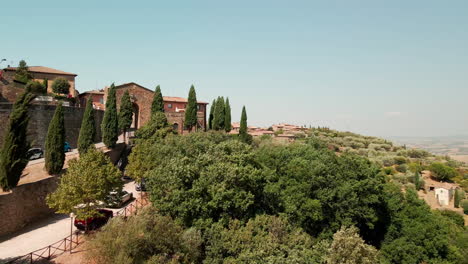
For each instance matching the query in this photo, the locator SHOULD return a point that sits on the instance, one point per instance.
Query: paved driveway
(42, 233)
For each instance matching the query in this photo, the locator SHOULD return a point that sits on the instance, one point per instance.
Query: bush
(417, 153)
(401, 168)
(147, 236)
(454, 217)
(464, 205)
(442, 172)
(61, 86)
(399, 160)
(415, 167)
(459, 195)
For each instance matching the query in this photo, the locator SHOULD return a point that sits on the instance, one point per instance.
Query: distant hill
(450, 145)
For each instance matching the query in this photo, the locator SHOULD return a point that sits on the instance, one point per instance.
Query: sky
(382, 68)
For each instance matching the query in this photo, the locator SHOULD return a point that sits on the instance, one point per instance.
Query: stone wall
(40, 117)
(25, 204)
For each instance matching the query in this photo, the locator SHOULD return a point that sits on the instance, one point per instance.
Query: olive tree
(86, 183)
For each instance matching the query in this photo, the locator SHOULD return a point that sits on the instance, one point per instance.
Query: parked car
(94, 222)
(35, 153)
(67, 147)
(141, 186)
(117, 199)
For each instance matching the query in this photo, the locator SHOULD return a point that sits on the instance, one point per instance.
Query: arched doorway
(136, 115)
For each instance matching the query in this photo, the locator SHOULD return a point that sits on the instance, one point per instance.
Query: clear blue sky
(386, 68)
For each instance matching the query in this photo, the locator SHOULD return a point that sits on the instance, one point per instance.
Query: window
(198, 107)
(101, 100)
(169, 105)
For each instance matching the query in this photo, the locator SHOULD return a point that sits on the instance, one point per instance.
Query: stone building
(97, 97)
(40, 73)
(142, 97)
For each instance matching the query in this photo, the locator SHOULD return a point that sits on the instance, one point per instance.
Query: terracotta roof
(178, 99)
(42, 69)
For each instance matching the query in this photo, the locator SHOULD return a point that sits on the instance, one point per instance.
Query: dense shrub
(399, 160)
(464, 205)
(263, 239)
(146, 237)
(442, 172)
(401, 168)
(455, 217)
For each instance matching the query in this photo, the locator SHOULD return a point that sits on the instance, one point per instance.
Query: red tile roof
(42, 69)
(178, 100)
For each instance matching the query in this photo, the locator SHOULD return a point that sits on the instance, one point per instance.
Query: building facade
(142, 98)
(97, 98)
(41, 73)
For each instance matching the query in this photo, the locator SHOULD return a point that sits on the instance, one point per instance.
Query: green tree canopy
(227, 116)
(349, 248)
(191, 118)
(263, 239)
(211, 116)
(125, 113)
(442, 172)
(13, 154)
(88, 129)
(55, 142)
(145, 238)
(158, 102)
(61, 86)
(22, 73)
(86, 183)
(109, 126)
(411, 235)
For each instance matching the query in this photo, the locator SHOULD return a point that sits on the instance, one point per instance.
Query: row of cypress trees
(220, 118)
(220, 115)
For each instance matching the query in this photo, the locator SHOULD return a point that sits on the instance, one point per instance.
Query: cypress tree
(191, 110)
(243, 122)
(109, 126)
(417, 181)
(13, 155)
(158, 101)
(88, 129)
(210, 118)
(125, 113)
(216, 115)
(227, 116)
(55, 141)
(218, 118)
(22, 72)
(243, 135)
